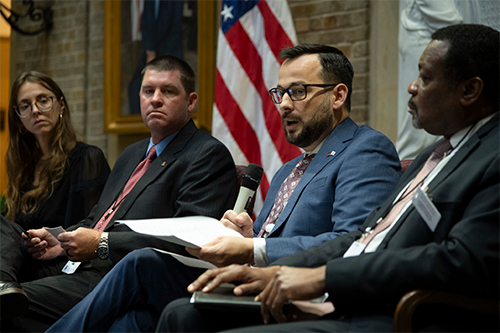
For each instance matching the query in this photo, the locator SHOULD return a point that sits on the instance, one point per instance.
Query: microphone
(249, 183)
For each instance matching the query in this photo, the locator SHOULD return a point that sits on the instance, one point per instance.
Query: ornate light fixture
(35, 14)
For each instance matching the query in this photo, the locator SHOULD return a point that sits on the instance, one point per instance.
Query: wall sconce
(33, 13)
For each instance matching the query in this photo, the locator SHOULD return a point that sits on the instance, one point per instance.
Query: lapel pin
(163, 163)
(330, 153)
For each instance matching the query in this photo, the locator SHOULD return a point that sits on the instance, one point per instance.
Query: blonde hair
(24, 152)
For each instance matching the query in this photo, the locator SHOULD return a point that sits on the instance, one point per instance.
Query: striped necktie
(433, 160)
(134, 178)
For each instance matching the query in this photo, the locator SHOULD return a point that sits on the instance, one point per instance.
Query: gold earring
(60, 115)
(22, 130)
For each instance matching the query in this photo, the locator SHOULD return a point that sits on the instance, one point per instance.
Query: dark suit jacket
(461, 255)
(194, 175)
(163, 33)
(331, 198)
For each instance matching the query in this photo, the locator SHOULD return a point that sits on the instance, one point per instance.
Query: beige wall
(383, 96)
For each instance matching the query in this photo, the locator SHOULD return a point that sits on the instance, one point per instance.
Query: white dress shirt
(457, 141)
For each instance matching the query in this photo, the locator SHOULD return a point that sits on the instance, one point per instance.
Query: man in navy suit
(191, 174)
(445, 238)
(351, 171)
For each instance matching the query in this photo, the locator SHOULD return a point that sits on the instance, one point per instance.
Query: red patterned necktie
(285, 192)
(433, 160)
(134, 178)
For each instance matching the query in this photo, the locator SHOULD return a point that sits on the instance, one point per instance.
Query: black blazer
(194, 175)
(461, 255)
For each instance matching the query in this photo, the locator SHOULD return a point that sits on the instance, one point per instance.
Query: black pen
(27, 234)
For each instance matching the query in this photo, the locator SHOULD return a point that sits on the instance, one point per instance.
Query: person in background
(54, 180)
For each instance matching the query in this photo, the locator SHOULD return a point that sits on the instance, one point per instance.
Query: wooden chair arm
(411, 300)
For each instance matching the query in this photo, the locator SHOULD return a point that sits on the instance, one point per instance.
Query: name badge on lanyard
(354, 250)
(426, 209)
(70, 267)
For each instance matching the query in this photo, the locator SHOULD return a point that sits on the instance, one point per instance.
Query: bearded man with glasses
(438, 232)
(345, 172)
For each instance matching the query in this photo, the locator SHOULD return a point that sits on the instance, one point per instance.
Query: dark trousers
(131, 296)
(50, 292)
(182, 316)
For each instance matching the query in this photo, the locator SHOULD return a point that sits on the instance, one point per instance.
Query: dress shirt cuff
(260, 258)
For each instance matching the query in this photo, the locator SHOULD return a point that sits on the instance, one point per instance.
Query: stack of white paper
(190, 231)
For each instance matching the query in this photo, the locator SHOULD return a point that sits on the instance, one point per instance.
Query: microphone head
(251, 177)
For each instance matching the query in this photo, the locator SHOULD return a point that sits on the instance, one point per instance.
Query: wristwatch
(102, 248)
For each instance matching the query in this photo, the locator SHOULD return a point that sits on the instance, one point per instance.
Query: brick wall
(345, 25)
(72, 52)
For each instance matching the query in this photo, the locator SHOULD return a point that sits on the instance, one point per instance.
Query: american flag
(244, 118)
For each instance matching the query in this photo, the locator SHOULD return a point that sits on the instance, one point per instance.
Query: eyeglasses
(43, 103)
(297, 92)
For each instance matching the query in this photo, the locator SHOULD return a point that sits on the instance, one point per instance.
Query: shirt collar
(460, 138)
(161, 145)
(315, 151)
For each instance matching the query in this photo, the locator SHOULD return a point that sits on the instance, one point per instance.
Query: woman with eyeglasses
(54, 180)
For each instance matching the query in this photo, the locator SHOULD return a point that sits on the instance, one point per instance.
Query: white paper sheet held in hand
(190, 231)
(188, 261)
